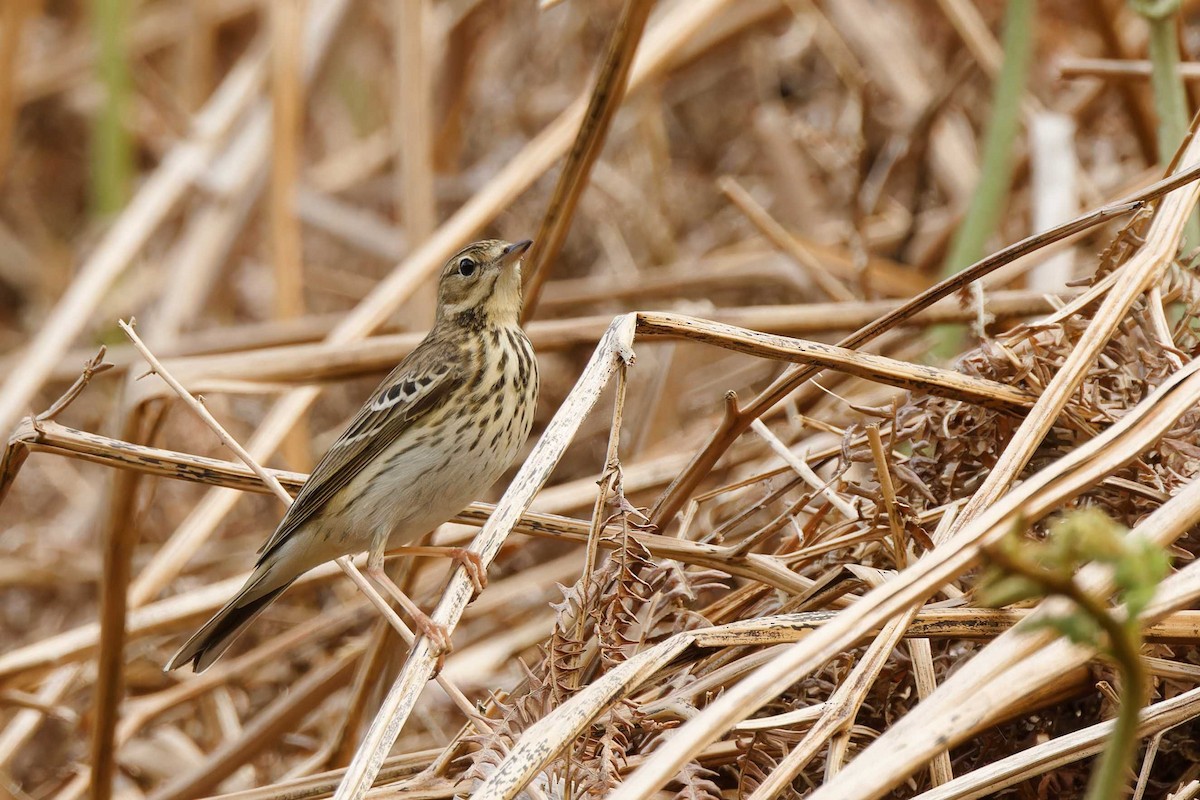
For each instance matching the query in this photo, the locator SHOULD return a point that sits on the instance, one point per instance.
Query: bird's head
(481, 284)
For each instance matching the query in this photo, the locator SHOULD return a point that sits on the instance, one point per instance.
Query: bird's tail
(208, 643)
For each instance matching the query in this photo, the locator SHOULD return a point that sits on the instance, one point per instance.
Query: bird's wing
(419, 384)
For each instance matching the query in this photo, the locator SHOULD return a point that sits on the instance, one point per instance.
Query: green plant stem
(995, 175)
(1170, 99)
(1109, 778)
(111, 152)
(1170, 102)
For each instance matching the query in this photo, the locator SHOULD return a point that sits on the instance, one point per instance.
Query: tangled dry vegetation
(749, 563)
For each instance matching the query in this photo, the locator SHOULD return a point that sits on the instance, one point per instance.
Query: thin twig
(779, 236)
(888, 491)
(607, 93)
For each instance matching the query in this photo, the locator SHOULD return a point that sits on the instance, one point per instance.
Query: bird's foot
(471, 561)
(437, 634)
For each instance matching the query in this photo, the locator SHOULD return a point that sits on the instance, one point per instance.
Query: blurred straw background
(748, 563)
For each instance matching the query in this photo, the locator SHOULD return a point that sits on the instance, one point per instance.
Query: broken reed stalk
(924, 674)
(902, 374)
(17, 450)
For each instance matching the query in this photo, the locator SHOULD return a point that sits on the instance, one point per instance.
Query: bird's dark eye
(466, 267)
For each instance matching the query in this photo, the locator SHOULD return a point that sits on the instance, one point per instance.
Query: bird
(442, 426)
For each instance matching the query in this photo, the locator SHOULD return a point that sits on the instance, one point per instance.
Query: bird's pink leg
(437, 634)
(471, 561)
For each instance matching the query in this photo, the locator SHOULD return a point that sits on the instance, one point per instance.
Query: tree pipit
(443, 426)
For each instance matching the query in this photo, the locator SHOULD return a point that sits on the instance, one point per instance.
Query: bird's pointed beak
(513, 253)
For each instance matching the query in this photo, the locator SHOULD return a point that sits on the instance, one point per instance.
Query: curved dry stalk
(917, 377)
(16, 450)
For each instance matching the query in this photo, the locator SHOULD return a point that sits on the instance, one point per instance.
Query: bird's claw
(472, 563)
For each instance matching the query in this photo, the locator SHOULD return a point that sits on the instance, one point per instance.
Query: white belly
(405, 495)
